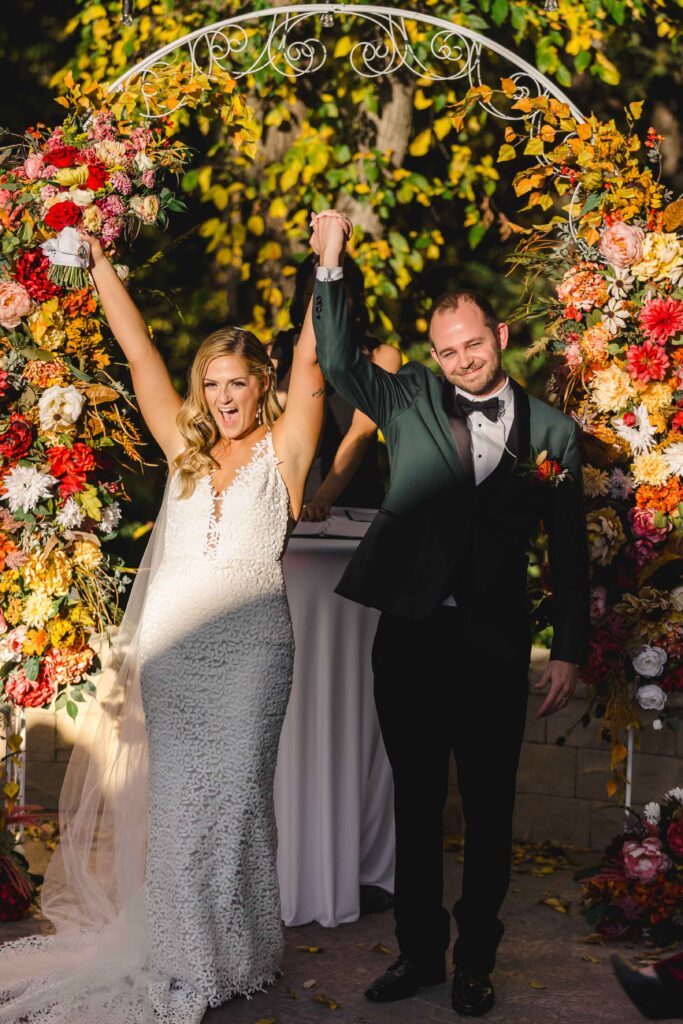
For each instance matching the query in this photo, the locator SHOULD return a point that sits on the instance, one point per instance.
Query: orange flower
(7, 546)
(79, 303)
(36, 641)
(662, 499)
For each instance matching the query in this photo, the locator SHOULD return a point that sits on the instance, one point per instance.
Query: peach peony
(15, 302)
(621, 244)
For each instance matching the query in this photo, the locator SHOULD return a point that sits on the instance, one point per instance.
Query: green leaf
(594, 199)
(60, 702)
(32, 667)
(72, 709)
(499, 11)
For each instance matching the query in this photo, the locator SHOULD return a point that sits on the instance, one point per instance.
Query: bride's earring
(259, 412)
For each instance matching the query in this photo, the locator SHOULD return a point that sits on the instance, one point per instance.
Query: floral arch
(614, 326)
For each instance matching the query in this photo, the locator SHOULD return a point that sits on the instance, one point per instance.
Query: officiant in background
(346, 471)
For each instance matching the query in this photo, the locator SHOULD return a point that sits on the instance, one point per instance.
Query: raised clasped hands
(330, 230)
(560, 679)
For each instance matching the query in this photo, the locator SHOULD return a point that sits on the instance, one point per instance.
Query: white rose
(657, 724)
(143, 162)
(675, 794)
(145, 207)
(677, 598)
(652, 812)
(60, 407)
(651, 697)
(649, 661)
(123, 273)
(82, 196)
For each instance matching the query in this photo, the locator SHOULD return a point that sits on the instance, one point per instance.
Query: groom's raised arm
(377, 393)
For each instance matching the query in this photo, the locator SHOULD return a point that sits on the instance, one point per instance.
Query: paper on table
(339, 524)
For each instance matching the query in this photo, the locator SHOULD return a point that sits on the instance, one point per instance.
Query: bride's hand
(95, 246)
(329, 231)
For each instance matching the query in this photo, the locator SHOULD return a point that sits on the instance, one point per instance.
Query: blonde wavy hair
(195, 422)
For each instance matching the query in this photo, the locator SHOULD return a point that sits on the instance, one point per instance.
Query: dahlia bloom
(661, 319)
(647, 362)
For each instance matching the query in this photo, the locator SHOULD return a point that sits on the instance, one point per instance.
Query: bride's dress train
(156, 924)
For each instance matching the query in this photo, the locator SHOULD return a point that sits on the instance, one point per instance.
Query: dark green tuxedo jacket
(436, 532)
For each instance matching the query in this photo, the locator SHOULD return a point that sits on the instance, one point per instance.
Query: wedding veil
(95, 968)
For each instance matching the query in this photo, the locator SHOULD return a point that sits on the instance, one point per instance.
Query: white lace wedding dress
(215, 668)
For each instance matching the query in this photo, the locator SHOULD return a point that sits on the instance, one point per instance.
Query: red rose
(97, 176)
(71, 466)
(63, 156)
(674, 837)
(31, 271)
(677, 422)
(62, 215)
(672, 682)
(630, 419)
(4, 383)
(16, 441)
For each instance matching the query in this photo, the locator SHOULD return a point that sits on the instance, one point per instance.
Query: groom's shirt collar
(504, 393)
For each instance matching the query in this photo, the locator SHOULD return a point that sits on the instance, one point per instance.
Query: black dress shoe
(473, 994)
(647, 993)
(403, 980)
(374, 900)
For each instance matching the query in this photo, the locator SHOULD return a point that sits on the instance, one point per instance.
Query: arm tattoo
(319, 393)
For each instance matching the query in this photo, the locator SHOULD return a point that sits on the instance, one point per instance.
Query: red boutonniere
(545, 471)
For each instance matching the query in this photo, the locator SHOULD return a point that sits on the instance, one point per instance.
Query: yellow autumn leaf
(619, 753)
(288, 178)
(204, 178)
(536, 985)
(14, 742)
(534, 147)
(344, 44)
(505, 152)
(509, 86)
(256, 225)
(441, 127)
(11, 789)
(277, 209)
(421, 101)
(421, 143)
(611, 788)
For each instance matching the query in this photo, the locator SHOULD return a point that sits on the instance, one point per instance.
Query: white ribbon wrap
(67, 249)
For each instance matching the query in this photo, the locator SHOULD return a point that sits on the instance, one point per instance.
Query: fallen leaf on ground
(379, 948)
(536, 984)
(292, 994)
(591, 959)
(266, 1020)
(593, 939)
(556, 904)
(310, 949)
(310, 983)
(326, 1001)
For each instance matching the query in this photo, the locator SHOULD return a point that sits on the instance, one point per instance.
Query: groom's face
(467, 350)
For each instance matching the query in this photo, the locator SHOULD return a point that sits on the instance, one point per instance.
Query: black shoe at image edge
(646, 993)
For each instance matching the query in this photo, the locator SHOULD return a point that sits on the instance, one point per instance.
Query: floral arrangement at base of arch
(613, 253)
(636, 892)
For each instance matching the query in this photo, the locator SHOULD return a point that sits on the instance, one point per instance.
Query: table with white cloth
(333, 785)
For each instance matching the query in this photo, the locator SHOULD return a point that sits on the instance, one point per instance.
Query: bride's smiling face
(232, 394)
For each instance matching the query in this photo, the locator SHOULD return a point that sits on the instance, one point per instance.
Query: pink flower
(643, 551)
(140, 138)
(5, 197)
(15, 302)
(583, 287)
(621, 244)
(29, 693)
(113, 206)
(3, 623)
(647, 362)
(598, 603)
(661, 319)
(644, 861)
(573, 355)
(102, 127)
(112, 228)
(642, 522)
(121, 182)
(48, 191)
(34, 166)
(148, 178)
(64, 666)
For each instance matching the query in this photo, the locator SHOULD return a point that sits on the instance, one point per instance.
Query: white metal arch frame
(454, 52)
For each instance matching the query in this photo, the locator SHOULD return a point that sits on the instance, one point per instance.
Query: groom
(445, 562)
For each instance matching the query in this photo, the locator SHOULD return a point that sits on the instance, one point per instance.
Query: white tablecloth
(333, 785)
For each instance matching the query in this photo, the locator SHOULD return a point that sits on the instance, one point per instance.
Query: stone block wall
(560, 790)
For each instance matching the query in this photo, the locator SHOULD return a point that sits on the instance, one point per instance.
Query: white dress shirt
(488, 437)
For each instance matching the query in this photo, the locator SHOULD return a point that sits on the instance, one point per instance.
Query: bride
(163, 891)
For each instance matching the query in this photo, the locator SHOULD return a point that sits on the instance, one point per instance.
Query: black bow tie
(490, 407)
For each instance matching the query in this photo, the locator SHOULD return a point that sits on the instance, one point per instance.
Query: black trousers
(436, 693)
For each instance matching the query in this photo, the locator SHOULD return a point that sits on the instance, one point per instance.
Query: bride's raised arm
(158, 400)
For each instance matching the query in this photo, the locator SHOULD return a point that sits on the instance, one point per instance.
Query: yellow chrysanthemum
(656, 397)
(14, 611)
(47, 325)
(80, 616)
(611, 389)
(62, 633)
(8, 581)
(662, 258)
(86, 554)
(53, 576)
(650, 468)
(37, 608)
(595, 482)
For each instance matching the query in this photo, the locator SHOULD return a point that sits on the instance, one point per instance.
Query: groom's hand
(560, 678)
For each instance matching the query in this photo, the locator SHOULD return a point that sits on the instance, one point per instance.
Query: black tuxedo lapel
(455, 450)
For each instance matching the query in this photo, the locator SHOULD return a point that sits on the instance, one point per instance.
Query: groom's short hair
(448, 302)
